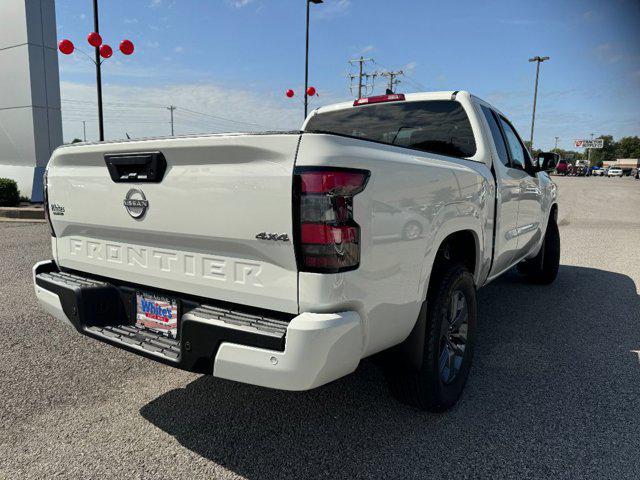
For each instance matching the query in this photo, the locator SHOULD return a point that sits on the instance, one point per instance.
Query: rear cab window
(434, 126)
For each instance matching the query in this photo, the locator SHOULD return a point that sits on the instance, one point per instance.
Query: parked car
(252, 256)
(391, 222)
(614, 172)
(597, 172)
(562, 168)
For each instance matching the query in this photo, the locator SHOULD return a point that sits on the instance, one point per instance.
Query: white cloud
(178, 49)
(332, 9)
(367, 49)
(588, 15)
(152, 44)
(141, 111)
(83, 16)
(155, 3)
(608, 52)
(410, 67)
(240, 3)
(130, 21)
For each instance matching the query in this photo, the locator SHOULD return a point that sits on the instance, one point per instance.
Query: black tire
(425, 387)
(543, 268)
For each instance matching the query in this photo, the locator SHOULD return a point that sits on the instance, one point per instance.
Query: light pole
(98, 62)
(103, 50)
(589, 153)
(306, 58)
(556, 146)
(538, 61)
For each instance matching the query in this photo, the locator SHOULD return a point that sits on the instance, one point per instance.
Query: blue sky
(226, 63)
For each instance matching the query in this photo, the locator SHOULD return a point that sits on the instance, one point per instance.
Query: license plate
(157, 313)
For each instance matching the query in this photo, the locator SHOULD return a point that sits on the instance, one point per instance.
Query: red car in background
(563, 168)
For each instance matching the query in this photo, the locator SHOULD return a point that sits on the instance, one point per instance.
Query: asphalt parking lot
(554, 391)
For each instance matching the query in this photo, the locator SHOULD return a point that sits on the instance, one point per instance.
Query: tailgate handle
(136, 167)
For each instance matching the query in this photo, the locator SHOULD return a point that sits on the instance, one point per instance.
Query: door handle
(136, 167)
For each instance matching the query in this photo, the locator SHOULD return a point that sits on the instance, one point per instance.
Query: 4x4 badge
(277, 237)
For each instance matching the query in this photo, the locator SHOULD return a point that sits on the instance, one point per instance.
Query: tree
(605, 154)
(536, 151)
(569, 154)
(628, 147)
(76, 140)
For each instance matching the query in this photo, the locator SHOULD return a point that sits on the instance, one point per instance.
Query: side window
(498, 139)
(516, 148)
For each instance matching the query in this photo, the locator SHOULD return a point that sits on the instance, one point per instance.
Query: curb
(21, 220)
(22, 213)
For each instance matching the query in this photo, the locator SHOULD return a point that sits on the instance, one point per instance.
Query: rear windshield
(435, 126)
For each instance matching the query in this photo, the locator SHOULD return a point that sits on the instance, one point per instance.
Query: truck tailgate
(198, 233)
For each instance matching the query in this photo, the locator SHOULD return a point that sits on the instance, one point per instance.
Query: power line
(139, 104)
(408, 78)
(362, 75)
(223, 118)
(393, 79)
(119, 110)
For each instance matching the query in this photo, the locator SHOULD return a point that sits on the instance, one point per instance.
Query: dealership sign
(595, 143)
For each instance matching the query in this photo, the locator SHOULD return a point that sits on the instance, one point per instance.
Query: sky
(226, 64)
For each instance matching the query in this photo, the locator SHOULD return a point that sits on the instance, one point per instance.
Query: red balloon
(66, 47)
(290, 93)
(126, 47)
(105, 51)
(94, 39)
(311, 91)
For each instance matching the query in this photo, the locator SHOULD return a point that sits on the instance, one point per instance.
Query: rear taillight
(45, 187)
(328, 238)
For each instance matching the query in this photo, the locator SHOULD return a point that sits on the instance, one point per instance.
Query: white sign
(595, 143)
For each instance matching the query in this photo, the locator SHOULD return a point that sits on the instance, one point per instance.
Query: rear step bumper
(267, 349)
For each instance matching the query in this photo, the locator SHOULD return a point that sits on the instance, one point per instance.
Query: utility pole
(84, 129)
(556, 147)
(538, 61)
(589, 153)
(361, 74)
(96, 28)
(393, 80)
(171, 108)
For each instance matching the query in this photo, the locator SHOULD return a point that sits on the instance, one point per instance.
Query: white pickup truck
(283, 259)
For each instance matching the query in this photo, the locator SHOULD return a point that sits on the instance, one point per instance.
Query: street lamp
(103, 50)
(306, 58)
(538, 61)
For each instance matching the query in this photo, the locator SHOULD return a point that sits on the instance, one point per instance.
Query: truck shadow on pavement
(554, 392)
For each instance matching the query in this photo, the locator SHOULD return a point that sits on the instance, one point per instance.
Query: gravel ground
(554, 391)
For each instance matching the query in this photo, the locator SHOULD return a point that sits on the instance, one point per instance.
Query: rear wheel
(449, 336)
(543, 268)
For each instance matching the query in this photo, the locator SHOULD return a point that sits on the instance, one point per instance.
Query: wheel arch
(463, 244)
(458, 246)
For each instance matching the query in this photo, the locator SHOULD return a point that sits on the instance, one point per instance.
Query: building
(30, 116)
(628, 163)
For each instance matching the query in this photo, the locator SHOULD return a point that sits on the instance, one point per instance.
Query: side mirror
(547, 161)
